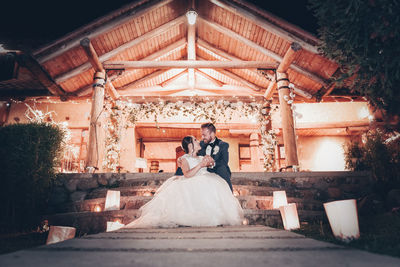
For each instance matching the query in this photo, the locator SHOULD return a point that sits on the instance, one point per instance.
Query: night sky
(30, 24)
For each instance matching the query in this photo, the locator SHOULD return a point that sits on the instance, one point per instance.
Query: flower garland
(122, 114)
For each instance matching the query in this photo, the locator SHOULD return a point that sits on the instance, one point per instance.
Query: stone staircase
(254, 191)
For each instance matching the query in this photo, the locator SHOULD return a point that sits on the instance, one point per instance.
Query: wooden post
(95, 125)
(98, 66)
(283, 67)
(289, 136)
(255, 152)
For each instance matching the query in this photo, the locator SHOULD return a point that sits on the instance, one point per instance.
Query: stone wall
(308, 186)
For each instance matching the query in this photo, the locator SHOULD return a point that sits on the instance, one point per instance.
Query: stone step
(241, 190)
(95, 222)
(135, 202)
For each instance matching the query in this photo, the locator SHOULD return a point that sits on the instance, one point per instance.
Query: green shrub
(28, 157)
(378, 156)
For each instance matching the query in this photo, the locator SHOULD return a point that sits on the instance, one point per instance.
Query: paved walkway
(211, 246)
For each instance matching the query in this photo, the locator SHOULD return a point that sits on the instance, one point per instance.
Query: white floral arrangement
(122, 114)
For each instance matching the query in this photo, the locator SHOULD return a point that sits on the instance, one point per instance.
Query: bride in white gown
(199, 198)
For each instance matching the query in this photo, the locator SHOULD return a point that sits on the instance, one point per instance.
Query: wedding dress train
(202, 200)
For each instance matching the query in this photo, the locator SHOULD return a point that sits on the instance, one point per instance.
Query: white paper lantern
(113, 226)
(343, 219)
(112, 200)
(290, 217)
(60, 233)
(279, 199)
(141, 163)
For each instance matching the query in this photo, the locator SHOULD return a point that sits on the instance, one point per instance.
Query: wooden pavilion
(148, 50)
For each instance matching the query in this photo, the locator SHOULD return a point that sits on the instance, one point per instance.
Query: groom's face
(207, 135)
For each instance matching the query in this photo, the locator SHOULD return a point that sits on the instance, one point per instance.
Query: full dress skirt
(202, 200)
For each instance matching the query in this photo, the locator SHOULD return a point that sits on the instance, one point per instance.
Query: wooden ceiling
(157, 30)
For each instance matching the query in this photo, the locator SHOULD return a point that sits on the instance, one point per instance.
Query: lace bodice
(193, 161)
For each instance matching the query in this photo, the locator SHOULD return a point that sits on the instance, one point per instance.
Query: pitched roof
(158, 30)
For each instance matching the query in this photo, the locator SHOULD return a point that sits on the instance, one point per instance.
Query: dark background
(29, 24)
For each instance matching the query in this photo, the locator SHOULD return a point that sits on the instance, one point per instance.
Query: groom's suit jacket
(220, 154)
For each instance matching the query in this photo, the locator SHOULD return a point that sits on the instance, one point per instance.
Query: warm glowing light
(112, 200)
(147, 194)
(363, 113)
(113, 226)
(329, 154)
(97, 208)
(191, 16)
(60, 233)
(245, 221)
(235, 193)
(141, 163)
(279, 199)
(343, 219)
(290, 218)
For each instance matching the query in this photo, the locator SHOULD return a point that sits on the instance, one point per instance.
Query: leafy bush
(379, 156)
(362, 37)
(28, 157)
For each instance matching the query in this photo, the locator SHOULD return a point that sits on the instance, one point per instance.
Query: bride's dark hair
(185, 143)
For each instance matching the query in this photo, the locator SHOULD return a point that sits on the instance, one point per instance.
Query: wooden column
(289, 136)
(287, 60)
(95, 124)
(255, 152)
(98, 66)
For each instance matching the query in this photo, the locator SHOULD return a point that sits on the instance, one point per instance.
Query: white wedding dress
(202, 200)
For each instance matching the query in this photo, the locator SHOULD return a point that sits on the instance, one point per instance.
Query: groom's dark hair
(209, 126)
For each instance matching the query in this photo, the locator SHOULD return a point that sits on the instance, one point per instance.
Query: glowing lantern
(141, 163)
(191, 16)
(97, 208)
(147, 194)
(290, 217)
(60, 233)
(113, 226)
(245, 221)
(279, 199)
(342, 216)
(112, 200)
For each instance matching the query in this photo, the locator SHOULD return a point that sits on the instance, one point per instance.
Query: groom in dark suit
(218, 150)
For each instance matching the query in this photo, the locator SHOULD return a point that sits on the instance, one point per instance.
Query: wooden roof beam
(102, 25)
(270, 90)
(262, 50)
(283, 67)
(203, 44)
(254, 16)
(98, 67)
(173, 78)
(39, 73)
(239, 79)
(288, 58)
(123, 65)
(86, 66)
(210, 78)
(143, 79)
(158, 90)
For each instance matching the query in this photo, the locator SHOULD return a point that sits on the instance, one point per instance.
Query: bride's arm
(192, 172)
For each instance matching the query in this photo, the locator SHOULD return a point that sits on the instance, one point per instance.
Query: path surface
(210, 246)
